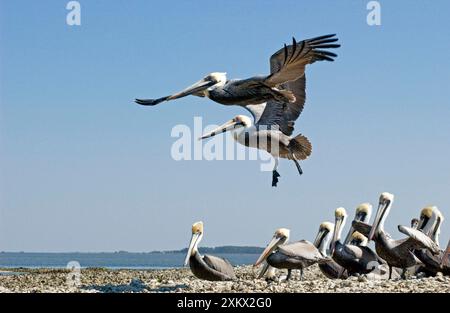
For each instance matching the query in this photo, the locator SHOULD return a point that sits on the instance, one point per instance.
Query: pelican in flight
(296, 255)
(286, 67)
(430, 223)
(275, 101)
(206, 267)
(355, 259)
(397, 253)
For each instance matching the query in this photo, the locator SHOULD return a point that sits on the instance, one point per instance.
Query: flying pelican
(430, 223)
(296, 255)
(355, 259)
(275, 101)
(287, 68)
(206, 267)
(397, 253)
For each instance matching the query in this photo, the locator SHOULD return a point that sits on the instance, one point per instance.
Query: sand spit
(182, 280)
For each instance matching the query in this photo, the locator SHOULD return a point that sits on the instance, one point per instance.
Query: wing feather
(291, 60)
(418, 239)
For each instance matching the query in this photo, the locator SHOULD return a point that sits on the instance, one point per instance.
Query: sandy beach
(182, 280)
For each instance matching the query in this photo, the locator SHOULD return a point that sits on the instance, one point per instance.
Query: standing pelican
(281, 235)
(206, 267)
(330, 269)
(286, 67)
(296, 255)
(430, 223)
(355, 259)
(397, 253)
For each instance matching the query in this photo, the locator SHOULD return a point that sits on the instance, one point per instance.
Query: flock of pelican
(274, 100)
(417, 252)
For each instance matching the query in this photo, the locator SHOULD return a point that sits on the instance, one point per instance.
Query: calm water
(109, 260)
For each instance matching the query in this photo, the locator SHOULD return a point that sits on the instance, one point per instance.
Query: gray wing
(362, 227)
(294, 58)
(418, 240)
(302, 250)
(220, 265)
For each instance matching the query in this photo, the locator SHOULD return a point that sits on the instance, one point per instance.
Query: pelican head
(426, 219)
(324, 236)
(280, 237)
(384, 206)
(340, 216)
(240, 121)
(431, 219)
(358, 239)
(324, 229)
(197, 234)
(201, 87)
(363, 212)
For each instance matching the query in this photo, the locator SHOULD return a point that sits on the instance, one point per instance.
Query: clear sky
(83, 168)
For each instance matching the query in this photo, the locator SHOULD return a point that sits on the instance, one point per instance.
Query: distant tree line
(222, 249)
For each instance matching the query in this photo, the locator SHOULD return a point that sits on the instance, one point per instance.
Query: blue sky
(83, 168)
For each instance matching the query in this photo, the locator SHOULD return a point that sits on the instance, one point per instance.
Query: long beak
(230, 125)
(319, 238)
(274, 243)
(348, 238)
(359, 217)
(197, 87)
(380, 211)
(192, 244)
(337, 228)
(263, 270)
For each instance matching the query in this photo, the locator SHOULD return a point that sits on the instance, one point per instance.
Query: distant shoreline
(122, 259)
(219, 249)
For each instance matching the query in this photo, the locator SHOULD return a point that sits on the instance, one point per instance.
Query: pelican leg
(300, 171)
(403, 275)
(390, 272)
(275, 174)
(301, 274)
(289, 274)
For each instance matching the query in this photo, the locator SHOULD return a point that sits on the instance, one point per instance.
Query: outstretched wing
(291, 60)
(287, 68)
(418, 240)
